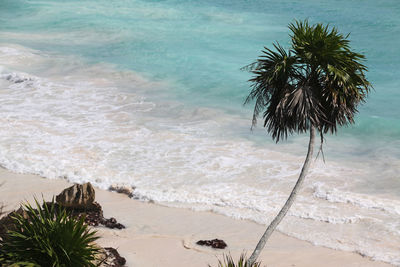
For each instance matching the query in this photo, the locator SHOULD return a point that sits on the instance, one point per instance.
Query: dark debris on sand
(215, 243)
(112, 258)
(94, 217)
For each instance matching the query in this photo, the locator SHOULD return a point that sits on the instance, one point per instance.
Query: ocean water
(149, 94)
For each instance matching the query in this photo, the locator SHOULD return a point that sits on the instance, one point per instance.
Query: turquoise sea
(149, 94)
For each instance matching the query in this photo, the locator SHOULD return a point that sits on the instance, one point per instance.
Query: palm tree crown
(318, 82)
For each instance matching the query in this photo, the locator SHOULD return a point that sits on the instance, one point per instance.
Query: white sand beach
(157, 236)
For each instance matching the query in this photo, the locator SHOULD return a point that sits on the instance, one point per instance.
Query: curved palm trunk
(288, 203)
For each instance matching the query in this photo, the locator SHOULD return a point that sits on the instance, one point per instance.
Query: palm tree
(315, 86)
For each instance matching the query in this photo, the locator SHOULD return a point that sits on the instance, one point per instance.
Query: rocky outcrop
(78, 196)
(79, 201)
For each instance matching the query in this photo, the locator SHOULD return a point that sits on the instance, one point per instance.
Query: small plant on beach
(315, 86)
(228, 261)
(47, 236)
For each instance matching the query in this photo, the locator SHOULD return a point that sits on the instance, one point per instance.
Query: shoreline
(156, 235)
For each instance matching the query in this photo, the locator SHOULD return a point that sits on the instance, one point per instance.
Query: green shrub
(18, 264)
(47, 236)
(242, 262)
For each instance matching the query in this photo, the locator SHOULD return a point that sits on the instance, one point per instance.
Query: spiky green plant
(47, 236)
(228, 261)
(9, 263)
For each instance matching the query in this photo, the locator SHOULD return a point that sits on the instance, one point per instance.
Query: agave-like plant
(48, 236)
(228, 261)
(8, 263)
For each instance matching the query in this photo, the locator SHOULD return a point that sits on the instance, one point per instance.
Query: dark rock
(110, 257)
(78, 196)
(16, 79)
(118, 260)
(112, 223)
(215, 243)
(79, 202)
(94, 217)
(7, 222)
(122, 189)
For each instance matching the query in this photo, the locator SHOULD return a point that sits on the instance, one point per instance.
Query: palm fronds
(318, 82)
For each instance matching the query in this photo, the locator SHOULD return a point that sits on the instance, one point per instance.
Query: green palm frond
(274, 72)
(319, 81)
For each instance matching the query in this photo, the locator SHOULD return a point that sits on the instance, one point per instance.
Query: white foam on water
(334, 195)
(62, 118)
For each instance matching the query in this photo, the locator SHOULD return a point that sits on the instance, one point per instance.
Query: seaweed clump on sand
(215, 243)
